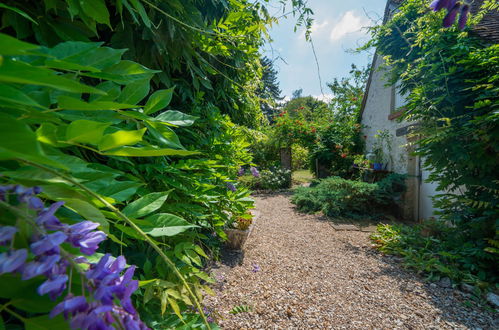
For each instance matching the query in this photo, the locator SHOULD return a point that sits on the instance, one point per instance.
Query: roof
(487, 29)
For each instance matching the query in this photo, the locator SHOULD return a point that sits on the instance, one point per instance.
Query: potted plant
(378, 158)
(241, 228)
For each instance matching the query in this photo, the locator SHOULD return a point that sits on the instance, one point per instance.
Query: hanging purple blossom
(254, 171)
(453, 8)
(7, 234)
(12, 261)
(109, 286)
(240, 171)
(463, 16)
(450, 18)
(231, 187)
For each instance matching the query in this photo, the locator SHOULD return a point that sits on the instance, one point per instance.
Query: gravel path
(299, 273)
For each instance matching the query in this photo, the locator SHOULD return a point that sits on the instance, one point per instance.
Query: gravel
(297, 272)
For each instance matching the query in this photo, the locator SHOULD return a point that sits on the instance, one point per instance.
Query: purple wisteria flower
(7, 234)
(453, 8)
(109, 284)
(12, 261)
(256, 268)
(240, 171)
(254, 171)
(231, 187)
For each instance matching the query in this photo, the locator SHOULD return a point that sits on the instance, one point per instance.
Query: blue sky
(337, 28)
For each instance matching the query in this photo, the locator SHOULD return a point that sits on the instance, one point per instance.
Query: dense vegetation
(452, 80)
(338, 197)
(125, 110)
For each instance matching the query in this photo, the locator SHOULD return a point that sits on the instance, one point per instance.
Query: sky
(338, 27)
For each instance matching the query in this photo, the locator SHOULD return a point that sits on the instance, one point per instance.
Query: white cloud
(317, 29)
(324, 97)
(349, 23)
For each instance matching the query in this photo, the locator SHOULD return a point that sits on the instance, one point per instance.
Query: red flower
(313, 130)
(338, 146)
(343, 155)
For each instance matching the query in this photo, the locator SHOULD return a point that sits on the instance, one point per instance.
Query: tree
(268, 92)
(297, 93)
(348, 93)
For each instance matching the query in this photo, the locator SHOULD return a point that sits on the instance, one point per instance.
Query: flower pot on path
(237, 237)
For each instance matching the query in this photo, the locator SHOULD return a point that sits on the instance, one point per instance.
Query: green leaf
(47, 133)
(121, 138)
(142, 12)
(164, 135)
(97, 10)
(23, 73)
(71, 103)
(176, 118)
(158, 101)
(85, 131)
(117, 190)
(13, 95)
(18, 11)
(124, 72)
(46, 323)
(145, 205)
(164, 224)
(134, 92)
(13, 46)
(148, 152)
(17, 140)
(87, 211)
(175, 307)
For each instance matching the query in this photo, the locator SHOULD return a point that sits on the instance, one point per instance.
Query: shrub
(438, 250)
(299, 160)
(339, 197)
(272, 179)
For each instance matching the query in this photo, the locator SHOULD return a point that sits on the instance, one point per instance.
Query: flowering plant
(38, 246)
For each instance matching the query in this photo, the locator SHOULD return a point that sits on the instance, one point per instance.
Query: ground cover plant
(338, 197)
(436, 251)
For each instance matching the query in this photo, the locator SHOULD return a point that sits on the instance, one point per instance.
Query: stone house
(382, 105)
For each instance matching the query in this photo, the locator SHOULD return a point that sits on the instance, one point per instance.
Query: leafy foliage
(452, 85)
(271, 179)
(338, 197)
(438, 251)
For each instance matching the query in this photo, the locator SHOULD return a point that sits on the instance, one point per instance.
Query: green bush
(299, 159)
(338, 197)
(272, 179)
(438, 250)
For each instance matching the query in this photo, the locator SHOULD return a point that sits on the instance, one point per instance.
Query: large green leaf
(121, 138)
(18, 11)
(176, 118)
(148, 152)
(24, 73)
(158, 101)
(14, 95)
(164, 224)
(117, 190)
(85, 131)
(17, 140)
(146, 205)
(164, 136)
(87, 54)
(71, 103)
(97, 10)
(13, 46)
(46, 323)
(87, 211)
(135, 92)
(124, 72)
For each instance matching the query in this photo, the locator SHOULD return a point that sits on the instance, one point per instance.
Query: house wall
(375, 117)
(417, 203)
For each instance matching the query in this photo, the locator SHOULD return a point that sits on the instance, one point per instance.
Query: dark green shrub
(338, 197)
(272, 179)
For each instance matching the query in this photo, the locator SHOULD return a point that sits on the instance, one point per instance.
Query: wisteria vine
(105, 301)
